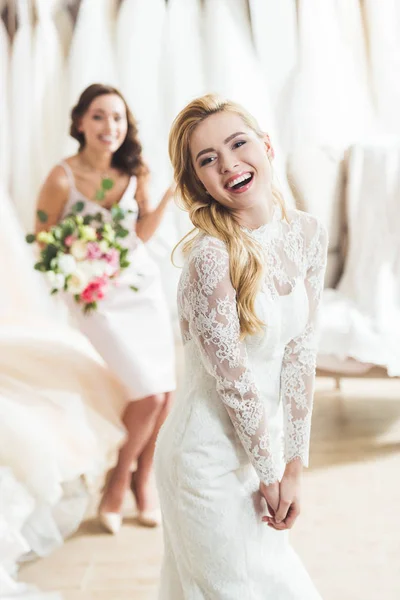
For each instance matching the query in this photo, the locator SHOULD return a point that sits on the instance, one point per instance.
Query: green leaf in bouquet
(87, 219)
(99, 217)
(107, 183)
(121, 232)
(30, 238)
(55, 291)
(117, 213)
(124, 264)
(100, 195)
(134, 288)
(48, 254)
(78, 207)
(42, 216)
(90, 307)
(40, 266)
(123, 253)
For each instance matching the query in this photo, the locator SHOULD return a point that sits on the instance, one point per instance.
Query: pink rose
(93, 251)
(95, 290)
(112, 257)
(69, 240)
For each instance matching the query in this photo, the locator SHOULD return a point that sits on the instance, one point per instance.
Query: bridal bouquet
(82, 255)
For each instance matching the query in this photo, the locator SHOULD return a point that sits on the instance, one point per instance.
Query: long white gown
(48, 96)
(274, 26)
(328, 101)
(382, 23)
(92, 52)
(21, 84)
(225, 431)
(361, 317)
(142, 31)
(4, 106)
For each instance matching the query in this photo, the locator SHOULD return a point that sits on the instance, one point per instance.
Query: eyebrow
(228, 139)
(115, 112)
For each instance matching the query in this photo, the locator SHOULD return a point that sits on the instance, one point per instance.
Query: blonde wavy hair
(208, 216)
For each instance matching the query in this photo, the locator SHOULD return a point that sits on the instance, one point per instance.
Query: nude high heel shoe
(111, 521)
(147, 518)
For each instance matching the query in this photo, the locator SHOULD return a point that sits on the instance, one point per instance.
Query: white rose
(66, 264)
(56, 280)
(79, 250)
(78, 281)
(88, 233)
(93, 268)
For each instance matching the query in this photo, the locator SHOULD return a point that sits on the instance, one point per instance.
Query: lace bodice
(295, 254)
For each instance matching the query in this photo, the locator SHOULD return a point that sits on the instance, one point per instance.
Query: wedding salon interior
(321, 79)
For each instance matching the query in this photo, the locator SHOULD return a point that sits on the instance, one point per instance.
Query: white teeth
(107, 138)
(239, 180)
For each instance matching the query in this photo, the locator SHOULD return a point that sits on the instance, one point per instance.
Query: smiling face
(231, 161)
(105, 124)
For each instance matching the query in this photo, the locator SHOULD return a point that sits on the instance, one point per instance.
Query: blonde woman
(248, 301)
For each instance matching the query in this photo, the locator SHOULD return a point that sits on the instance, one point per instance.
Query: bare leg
(140, 419)
(142, 485)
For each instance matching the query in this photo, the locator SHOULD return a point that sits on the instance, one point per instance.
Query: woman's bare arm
(52, 198)
(149, 219)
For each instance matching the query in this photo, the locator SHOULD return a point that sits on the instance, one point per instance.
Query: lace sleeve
(298, 369)
(214, 325)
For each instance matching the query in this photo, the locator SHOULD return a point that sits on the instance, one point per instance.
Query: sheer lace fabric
(209, 317)
(244, 409)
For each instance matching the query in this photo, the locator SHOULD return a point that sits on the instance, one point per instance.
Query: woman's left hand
(289, 498)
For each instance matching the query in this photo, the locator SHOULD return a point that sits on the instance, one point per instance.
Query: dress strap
(69, 173)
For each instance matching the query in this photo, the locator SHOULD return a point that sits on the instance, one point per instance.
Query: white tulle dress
(237, 401)
(60, 414)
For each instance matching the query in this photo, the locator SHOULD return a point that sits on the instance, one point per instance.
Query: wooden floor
(348, 535)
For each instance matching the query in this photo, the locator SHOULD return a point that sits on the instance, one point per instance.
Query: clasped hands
(283, 498)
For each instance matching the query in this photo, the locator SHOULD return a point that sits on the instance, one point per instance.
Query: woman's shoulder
(58, 178)
(308, 225)
(205, 246)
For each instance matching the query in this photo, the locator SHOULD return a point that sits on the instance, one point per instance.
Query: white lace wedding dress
(225, 431)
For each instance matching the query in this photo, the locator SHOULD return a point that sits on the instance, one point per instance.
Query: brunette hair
(128, 157)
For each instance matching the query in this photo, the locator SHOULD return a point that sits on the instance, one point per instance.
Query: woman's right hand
(270, 493)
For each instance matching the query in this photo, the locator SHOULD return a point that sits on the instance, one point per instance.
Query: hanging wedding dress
(327, 101)
(243, 412)
(92, 53)
(181, 80)
(48, 96)
(361, 317)
(4, 105)
(64, 24)
(274, 28)
(60, 411)
(232, 70)
(142, 32)
(22, 116)
(382, 21)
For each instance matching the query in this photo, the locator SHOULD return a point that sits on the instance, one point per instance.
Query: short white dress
(131, 331)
